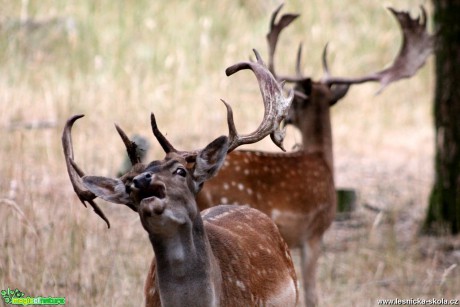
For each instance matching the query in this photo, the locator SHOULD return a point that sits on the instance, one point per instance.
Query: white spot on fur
(275, 214)
(224, 200)
(240, 285)
(240, 186)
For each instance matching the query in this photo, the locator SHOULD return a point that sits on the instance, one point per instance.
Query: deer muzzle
(148, 188)
(152, 206)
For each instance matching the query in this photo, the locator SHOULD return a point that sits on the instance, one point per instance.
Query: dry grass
(116, 61)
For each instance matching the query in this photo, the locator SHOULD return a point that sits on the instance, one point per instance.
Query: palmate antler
(276, 107)
(417, 45)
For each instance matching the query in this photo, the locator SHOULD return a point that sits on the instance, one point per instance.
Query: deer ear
(111, 190)
(210, 159)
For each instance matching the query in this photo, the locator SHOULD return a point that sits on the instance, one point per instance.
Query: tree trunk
(443, 216)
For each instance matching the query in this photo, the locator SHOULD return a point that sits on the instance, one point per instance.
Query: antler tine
(417, 45)
(276, 106)
(165, 144)
(324, 61)
(75, 173)
(232, 134)
(298, 62)
(131, 147)
(275, 30)
(338, 90)
(299, 76)
(189, 156)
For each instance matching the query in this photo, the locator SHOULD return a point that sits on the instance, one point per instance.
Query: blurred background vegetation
(117, 61)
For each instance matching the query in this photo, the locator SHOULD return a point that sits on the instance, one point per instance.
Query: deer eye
(180, 171)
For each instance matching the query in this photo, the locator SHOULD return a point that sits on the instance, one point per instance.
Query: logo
(16, 297)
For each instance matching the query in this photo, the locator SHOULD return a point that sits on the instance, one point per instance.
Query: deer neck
(187, 272)
(316, 132)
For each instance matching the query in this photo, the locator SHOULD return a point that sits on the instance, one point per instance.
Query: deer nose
(142, 181)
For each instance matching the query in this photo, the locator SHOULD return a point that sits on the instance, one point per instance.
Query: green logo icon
(8, 295)
(16, 297)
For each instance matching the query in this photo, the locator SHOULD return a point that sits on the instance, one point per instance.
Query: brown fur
(252, 273)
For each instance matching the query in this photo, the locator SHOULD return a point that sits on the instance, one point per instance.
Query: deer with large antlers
(225, 256)
(297, 188)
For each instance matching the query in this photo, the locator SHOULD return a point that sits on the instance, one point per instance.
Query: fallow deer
(225, 256)
(297, 188)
